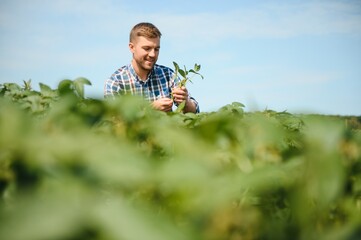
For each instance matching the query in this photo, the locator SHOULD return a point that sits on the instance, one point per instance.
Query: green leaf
(44, 87)
(182, 73)
(192, 71)
(34, 103)
(79, 86)
(27, 85)
(65, 86)
(180, 107)
(79, 89)
(46, 91)
(238, 104)
(84, 81)
(197, 67)
(12, 87)
(176, 66)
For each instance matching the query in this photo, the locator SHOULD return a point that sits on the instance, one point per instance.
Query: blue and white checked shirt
(159, 83)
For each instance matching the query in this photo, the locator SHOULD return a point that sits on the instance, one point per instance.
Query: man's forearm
(190, 106)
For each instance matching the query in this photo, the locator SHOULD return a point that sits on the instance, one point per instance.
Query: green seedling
(185, 74)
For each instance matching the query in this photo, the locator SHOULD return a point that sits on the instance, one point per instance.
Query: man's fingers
(179, 94)
(181, 90)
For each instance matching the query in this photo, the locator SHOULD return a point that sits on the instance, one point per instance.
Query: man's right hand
(163, 104)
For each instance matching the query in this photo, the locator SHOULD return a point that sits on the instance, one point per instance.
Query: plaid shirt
(159, 83)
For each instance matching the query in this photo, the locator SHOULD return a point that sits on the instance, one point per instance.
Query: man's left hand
(180, 94)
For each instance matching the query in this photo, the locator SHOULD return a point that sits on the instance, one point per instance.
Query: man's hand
(180, 95)
(163, 104)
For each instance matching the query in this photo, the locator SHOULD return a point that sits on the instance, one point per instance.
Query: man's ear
(131, 47)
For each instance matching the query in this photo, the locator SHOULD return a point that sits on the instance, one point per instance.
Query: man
(145, 78)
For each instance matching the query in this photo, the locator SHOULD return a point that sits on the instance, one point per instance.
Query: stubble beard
(147, 65)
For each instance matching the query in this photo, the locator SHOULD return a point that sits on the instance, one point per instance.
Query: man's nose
(152, 53)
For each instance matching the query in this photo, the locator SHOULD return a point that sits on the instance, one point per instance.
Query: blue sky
(295, 56)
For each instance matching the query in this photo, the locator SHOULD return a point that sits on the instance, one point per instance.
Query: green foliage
(185, 74)
(77, 168)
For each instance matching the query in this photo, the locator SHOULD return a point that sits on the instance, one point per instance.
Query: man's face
(145, 52)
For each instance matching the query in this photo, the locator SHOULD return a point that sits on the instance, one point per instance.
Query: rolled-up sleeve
(196, 103)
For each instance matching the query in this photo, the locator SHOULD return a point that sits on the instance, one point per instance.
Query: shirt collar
(135, 75)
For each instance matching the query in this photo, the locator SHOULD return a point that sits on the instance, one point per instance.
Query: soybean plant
(184, 73)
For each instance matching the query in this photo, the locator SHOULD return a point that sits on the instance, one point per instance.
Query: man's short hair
(144, 29)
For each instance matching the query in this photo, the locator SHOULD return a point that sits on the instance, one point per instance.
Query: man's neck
(141, 72)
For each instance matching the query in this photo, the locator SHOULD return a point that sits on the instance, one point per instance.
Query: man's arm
(191, 106)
